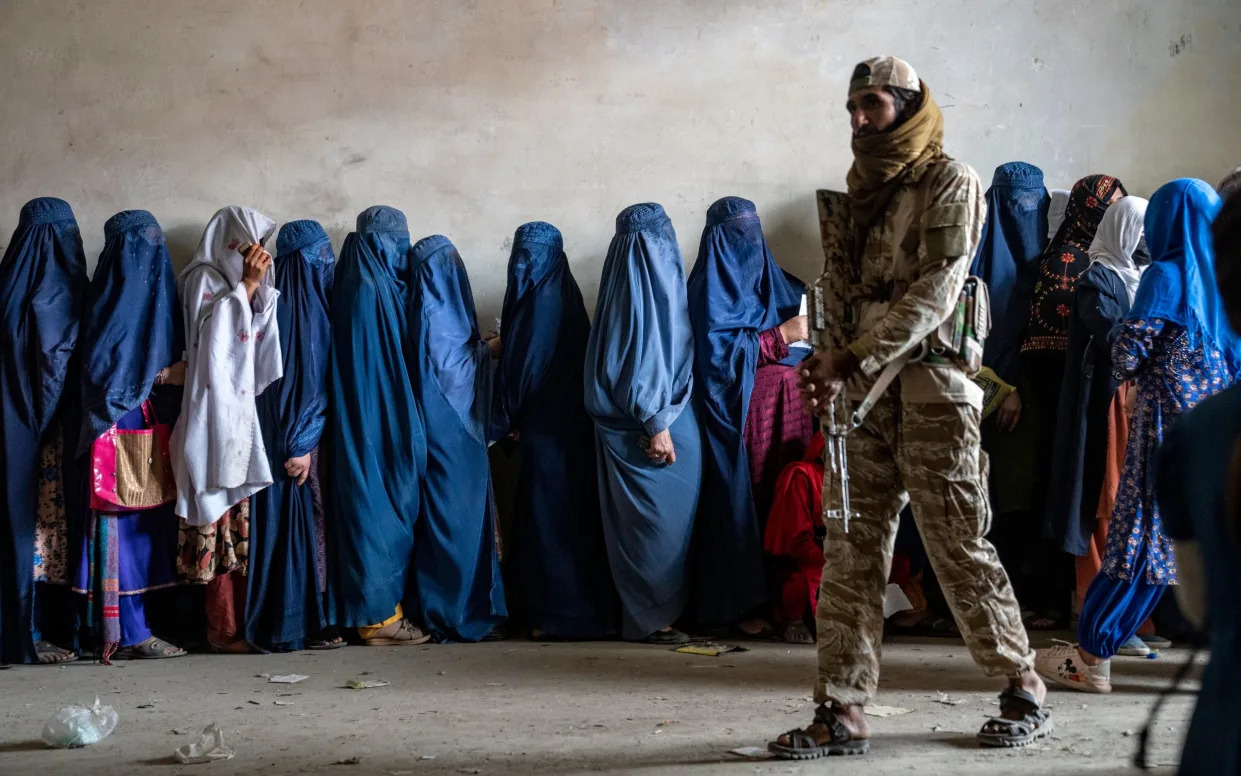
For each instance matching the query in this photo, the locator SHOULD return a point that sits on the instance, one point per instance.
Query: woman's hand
(254, 267)
(1009, 414)
(1131, 399)
(173, 374)
(298, 468)
(493, 342)
(661, 449)
(795, 329)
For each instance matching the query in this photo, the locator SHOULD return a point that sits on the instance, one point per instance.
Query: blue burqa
(558, 553)
(378, 451)
(735, 291)
(1014, 237)
(133, 328)
(456, 560)
(42, 282)
(639, 382)
(1179, 286)
(283, 603)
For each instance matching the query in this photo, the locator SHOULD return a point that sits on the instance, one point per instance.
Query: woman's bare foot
(238, 647)
(755, 626)
(50, 654)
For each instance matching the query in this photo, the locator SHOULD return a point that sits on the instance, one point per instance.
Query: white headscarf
(1055, 211)
(1117, 238)
(233, 353)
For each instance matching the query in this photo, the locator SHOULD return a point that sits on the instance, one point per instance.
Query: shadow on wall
(182, 242)
(792, 232)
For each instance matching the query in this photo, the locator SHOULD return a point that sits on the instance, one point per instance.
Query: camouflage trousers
(927, 455)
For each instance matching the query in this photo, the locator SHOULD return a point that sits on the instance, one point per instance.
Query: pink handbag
(130, 468)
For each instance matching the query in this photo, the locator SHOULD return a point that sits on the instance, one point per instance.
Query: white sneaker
(1063, 665)
(1134, 647)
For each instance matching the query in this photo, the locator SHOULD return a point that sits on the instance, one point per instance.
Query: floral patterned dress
(51, 540)
(1172, 376)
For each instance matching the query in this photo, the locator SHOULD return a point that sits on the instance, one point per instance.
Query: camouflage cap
(884, 71)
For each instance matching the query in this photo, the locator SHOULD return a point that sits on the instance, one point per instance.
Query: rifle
(841, 419)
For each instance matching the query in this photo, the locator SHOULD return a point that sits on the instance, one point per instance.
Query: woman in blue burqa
(639, 382)
(285, 608)
(456, 558)
(131, 347)
(1013, 240)
(744, 310)
(377, 454)
(42, 281)
(557, 550)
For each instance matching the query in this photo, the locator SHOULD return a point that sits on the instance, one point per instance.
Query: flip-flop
(329, 638)
(151, 649)
(62, 656)
(668, 638)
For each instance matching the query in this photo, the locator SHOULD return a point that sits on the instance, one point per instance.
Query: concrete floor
(522, 707)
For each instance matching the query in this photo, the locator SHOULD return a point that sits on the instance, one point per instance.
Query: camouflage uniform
(919, 444)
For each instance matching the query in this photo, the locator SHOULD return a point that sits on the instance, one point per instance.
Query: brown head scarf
(1066, 257)
(882, 161)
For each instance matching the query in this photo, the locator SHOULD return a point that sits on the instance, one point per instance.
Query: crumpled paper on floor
(884, 711)
(709, 649)
(895, 601)
(207, 749)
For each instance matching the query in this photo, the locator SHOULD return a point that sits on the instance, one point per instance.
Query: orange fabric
(1090, 564)
(370, 630)
(226, 609)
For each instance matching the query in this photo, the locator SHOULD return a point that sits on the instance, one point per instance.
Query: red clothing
(777, 426)
(789, 538)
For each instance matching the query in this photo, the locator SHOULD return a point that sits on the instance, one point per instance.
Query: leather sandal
(803, 746)
(1035, 722)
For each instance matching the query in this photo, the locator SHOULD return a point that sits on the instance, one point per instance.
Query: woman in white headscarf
(233, 353)
(1105, 291)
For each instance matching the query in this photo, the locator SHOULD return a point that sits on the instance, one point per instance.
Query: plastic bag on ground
(75, 726)
(208, 748)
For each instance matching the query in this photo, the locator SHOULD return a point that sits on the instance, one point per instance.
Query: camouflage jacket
(906, 279)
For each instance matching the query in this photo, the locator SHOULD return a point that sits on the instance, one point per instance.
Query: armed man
(902, 325)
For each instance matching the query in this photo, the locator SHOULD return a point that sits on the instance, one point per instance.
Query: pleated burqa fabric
(42, 283)
(735, 291)
(283, 603)
(557, 548)
(456, 557)
(378, 451)
(639, 381)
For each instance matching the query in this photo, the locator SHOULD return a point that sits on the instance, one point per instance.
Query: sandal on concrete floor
(667, 638)
(802, 744)
(407, 635)
(798, 633)
(1035, 722)
(151, 649)
(50, 654)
